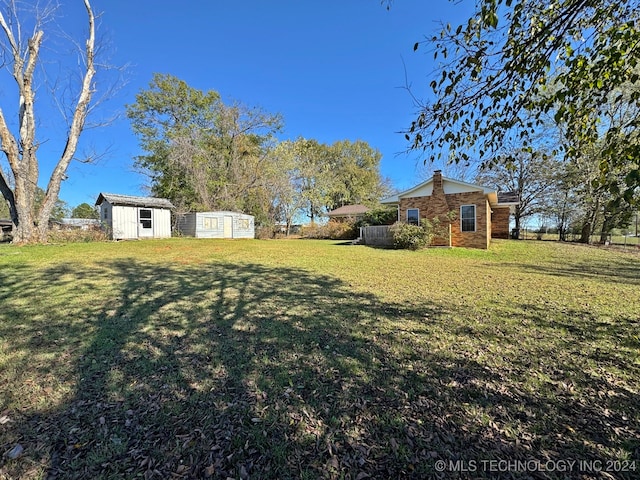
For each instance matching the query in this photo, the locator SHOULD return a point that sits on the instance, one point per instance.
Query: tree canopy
(203, 154)
(532, 177)
(517, 63)
(84, 210)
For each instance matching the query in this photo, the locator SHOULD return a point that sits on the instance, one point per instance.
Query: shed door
(228, 227)
(145, 223)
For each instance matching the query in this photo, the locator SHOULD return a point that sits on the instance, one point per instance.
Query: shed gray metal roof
(129, 200)
(80, 222)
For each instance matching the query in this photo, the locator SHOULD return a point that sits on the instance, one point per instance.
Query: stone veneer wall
(430, 208)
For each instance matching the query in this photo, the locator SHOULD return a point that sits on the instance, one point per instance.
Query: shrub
(265, 232)
(378, 216)
(415, 237)
(331, 231)
(77, 235)
(412, 237)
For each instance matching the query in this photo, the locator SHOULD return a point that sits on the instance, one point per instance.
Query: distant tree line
(60, 208)
(566, 197)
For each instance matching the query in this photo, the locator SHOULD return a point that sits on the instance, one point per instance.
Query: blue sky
(334, 70)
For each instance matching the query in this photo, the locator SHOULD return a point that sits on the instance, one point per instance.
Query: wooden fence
(377, 235)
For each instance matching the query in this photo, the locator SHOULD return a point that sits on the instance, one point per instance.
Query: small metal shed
(216, 225)
(127, 217)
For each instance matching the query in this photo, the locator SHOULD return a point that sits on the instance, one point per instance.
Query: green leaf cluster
(516, 64)
(379, 216)
(84, 210)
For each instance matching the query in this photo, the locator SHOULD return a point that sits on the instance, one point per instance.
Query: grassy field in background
(190, 358)
(627, 241)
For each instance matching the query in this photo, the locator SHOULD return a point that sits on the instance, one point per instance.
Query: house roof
(348, 210)
(456, 185)
(129, 200)
(216, 212)
(508, 198)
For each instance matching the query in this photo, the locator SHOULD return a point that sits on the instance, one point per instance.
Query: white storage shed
(216, 225)
(127, 217)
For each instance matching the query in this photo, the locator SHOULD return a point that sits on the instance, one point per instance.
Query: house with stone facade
(479, 213)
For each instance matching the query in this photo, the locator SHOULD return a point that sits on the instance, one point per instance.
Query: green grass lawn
(285, 359)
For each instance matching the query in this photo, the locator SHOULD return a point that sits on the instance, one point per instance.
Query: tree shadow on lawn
(618, 269)
(246, 371)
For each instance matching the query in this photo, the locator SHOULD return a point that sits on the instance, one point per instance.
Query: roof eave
(391, 200)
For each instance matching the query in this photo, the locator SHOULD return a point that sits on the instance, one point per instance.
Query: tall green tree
(357, 174)
(163, 116)
(288, 194)
(600, 197)
(316, 178)
(343, 173)
(200, 152)
(84, 210)
(594, 207)
(516, 61)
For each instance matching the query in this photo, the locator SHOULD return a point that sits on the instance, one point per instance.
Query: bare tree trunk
(517, 217)
(7, 193)
(590, 222)
(30, 226)
(607, 226)
(562, 233)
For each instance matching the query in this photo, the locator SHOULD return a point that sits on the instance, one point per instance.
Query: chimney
(437, 183)
(438, 206)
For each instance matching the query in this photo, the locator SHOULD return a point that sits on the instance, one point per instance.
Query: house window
(105, 213)
(210, 223)
(243, 223)
(413, 216)
(468, 218)
(145, 218)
